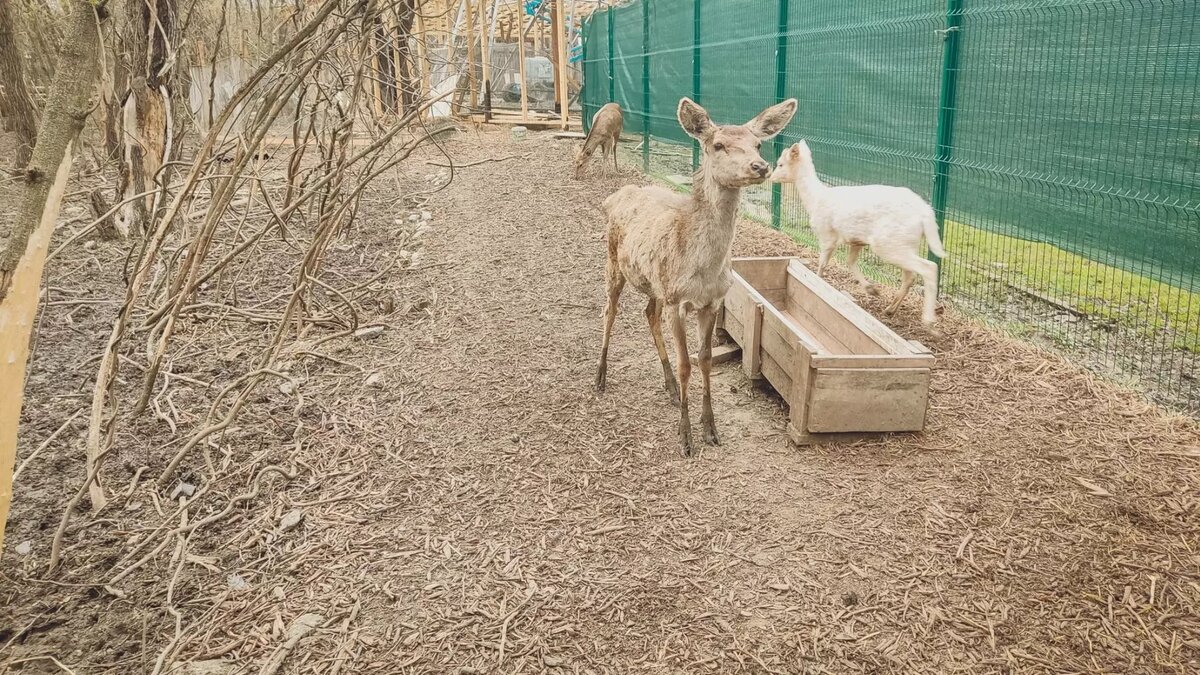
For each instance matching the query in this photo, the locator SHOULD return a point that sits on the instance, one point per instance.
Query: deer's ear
(694, 119)
(773, 120)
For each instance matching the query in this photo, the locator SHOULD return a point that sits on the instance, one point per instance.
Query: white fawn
(604, 134)
(676, 248)
(891, 220)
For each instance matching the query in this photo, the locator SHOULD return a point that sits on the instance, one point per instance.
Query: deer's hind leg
(678, 314)
(654, 317)
(616, 283)
(708, 320)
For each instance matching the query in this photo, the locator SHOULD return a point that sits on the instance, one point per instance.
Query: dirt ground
(469, 504)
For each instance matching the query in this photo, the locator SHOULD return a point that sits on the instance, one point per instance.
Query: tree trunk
(147, 113)
(16, 105)
(39, 198)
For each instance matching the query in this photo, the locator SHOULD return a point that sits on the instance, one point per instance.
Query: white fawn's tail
(932, 238)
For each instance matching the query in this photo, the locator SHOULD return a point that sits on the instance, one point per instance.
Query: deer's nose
(760, 168)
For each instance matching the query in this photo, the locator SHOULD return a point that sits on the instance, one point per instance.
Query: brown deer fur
(604, 134)
(676, 248)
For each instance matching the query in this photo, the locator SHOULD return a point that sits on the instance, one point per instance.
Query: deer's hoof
(710, 436)
(872, 289)
(673, 392)
(601, 381)
(685, 441)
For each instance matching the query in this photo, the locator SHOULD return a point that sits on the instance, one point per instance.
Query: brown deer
(676, 248)
(604, 134)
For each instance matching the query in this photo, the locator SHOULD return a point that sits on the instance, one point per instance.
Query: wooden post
(751, 336)
(555, 38)
(798, 400)
(560, 73)
(521, 64)
(485, 46)
(470, 34)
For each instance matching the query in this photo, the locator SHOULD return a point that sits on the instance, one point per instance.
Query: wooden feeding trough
(842, 372)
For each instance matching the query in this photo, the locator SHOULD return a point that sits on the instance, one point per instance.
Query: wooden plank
(919, 348)
(806, 438)
(855, 399)
(733, 326)
(854, 319)
(736, 297)
(872, 361)
(778, 340)
(837, 332)
(564, 86)
(485, 48)
(812, 333)
(778, 378)
(763, 274)
(751, 315)
(521, 63)
(770, 300)
(720, 354)
(800, 394)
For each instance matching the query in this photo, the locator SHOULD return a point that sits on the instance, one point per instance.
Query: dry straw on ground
(450, 496)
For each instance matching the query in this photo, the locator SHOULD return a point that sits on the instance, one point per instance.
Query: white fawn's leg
(929, 271)
(826, 252)
(708, 320)
(912, 262)
(654, 317)
(906, 281)
(616, 283)
(852, 263)
(683, 364)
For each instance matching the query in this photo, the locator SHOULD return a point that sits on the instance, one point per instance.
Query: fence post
(646, 86)
(945, 127)
(612, 61)
(584, 117)
(695, 73)
(781, 58)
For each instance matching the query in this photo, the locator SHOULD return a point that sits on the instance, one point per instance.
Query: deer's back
(644, 234)
(606, 125)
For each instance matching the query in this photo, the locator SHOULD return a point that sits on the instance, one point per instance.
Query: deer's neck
(809, 187)
(715, 209)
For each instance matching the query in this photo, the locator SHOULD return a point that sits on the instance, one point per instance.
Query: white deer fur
(676, 248)
(891, 220)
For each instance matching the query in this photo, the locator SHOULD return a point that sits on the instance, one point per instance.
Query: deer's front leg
(708, 320)
(683, 365)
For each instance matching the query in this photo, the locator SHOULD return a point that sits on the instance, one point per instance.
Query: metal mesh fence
(1058, 140)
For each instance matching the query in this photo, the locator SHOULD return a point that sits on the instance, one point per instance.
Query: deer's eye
(758, 146)
(718, 146)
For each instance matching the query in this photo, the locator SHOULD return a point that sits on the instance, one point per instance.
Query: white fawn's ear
(694, 119)
(773, 120)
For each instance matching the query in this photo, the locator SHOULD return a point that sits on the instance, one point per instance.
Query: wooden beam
(521, 66)
(485, 46)
(560, 74)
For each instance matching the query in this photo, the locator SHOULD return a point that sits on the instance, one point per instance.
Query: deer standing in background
(604, 134)
(676, 248)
